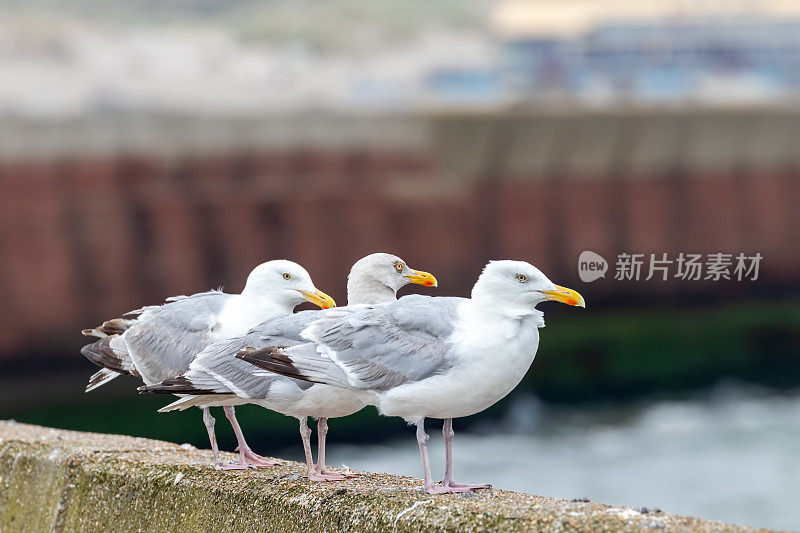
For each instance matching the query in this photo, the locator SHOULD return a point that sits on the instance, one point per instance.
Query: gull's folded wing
(373, 347)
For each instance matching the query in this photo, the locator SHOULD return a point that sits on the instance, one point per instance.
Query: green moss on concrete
(56, 480)
(32, 488)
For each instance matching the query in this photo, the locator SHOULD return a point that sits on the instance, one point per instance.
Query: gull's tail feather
(110, 352)
(100, 378)
(184, 403)
(300, 362)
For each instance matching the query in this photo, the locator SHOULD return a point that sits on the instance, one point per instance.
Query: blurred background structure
(168, 147)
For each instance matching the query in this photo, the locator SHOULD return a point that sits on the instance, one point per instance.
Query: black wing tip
(101, 354)
(260, 355)
(266, 357)
(115, 326)
(95, 352)
(273, 359)
(168, 386)
(177, 385)
(88, 351)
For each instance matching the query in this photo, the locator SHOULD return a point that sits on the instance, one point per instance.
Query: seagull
(217, 378)
(161, 341)
(429, 357)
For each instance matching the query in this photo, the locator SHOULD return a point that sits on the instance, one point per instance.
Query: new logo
(591, 266)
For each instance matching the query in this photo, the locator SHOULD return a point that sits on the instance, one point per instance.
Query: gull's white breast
(487, 359)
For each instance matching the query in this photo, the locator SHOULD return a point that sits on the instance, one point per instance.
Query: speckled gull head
(514, 288)
(382, 274)
(285, 282)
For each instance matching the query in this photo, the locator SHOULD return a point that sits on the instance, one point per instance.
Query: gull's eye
(398, 266)
(286, 275)
(522, 278)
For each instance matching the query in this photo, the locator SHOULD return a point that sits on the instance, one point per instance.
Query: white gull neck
(242, 313)
(361, 290)
(483, 304)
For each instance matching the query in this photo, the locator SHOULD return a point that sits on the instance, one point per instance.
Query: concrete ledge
(55, 480)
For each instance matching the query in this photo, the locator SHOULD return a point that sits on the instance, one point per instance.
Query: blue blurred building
(651, 51)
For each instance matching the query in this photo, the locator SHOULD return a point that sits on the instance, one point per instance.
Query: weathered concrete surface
(55, 480)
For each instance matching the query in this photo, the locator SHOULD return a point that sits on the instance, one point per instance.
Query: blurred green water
(625, 354)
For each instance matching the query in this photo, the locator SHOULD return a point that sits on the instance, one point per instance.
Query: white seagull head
(386, 270)
(517, 287)
(284, 282)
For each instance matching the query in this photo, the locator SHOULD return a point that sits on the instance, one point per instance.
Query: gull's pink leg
(447, 482)
(244, 450)
(208, 420)
(322, 431)
(422, 441)
(242, 464)
(305, 435)
(448, 434)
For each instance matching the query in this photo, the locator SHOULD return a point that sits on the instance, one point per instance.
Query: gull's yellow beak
(565, 295)
(423, 278)
(319, 298)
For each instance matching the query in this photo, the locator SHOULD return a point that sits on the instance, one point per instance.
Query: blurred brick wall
(87, 238)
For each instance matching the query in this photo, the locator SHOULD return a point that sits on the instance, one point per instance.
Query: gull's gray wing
(165, 339)
(374, 347)
(215, 370)
(282, 330)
